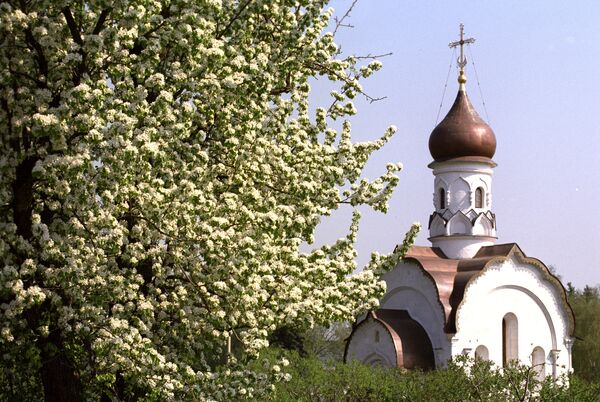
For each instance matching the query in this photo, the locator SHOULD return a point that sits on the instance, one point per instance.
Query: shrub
(463, 380)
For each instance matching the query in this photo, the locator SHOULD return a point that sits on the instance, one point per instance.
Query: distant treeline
(586, 350)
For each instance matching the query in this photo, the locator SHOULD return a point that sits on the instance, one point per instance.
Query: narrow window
(510, 338)
(479, 198)
(482, 353)
(376, 336)
(538, 361)
(442, 198)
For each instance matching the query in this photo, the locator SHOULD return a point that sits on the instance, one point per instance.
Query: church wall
(408, 288)
(372, 344)
(483, 227)
(462, 246)
(460, 180)
(438, 227)
(523, 290)
(458, 183)
(460, 191)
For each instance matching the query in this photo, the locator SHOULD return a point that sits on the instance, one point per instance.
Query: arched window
(482, 353)
(510, 338)
(479, 198)
(442, 198)
(538, 362)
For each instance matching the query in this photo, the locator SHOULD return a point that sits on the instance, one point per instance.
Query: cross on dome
(462, 133)
(462, 59)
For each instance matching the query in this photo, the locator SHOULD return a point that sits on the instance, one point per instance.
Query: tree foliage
(586, 349)
(326, 343)
(159, 169)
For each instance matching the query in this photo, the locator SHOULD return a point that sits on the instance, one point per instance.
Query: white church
(466, 295)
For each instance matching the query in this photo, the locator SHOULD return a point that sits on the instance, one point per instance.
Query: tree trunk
(59, 379)
(23, 197)
(61, 384)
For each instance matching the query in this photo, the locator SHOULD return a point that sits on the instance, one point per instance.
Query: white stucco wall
(522, 289)
(460, 180)
(459, 247)
(518, 286)
(365, 348)
(411, 290)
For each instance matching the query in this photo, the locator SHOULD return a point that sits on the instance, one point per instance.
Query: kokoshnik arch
(465, 295)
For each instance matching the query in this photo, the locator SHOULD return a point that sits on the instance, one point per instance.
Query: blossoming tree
(159, 170)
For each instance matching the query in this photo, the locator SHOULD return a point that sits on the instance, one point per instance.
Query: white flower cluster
(160, 168)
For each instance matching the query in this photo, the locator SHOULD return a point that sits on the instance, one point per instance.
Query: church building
(466, 295)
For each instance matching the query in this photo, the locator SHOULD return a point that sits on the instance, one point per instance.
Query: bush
(463, 380)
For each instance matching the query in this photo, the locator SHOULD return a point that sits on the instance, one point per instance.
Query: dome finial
(462, 59)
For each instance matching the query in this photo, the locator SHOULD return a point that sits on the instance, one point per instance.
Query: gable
(452, 278)
(527, 276)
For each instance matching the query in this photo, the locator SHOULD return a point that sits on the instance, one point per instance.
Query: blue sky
(538, 64)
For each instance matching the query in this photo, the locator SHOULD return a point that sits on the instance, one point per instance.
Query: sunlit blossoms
(160, 168)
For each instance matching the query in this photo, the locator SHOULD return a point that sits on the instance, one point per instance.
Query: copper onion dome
(462, 132)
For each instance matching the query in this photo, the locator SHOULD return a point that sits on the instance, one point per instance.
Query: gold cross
(462, 60)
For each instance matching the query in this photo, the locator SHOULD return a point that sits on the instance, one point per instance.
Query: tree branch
(235, 17)
(40, 58)
(372, 56)
(101, 20)
(72, 26)
(340, 22)
(75, 33)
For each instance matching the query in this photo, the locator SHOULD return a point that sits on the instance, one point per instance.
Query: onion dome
(462, 133)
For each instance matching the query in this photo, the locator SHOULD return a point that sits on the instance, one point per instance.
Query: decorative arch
(547, 275)
(436, 307)
(510, 339)
(460, 191)
(440, 182)
(482, 183)
(541, 306)
(483, 226)
(460, 224)
(438, 226)
(492, 218)
(375, 359)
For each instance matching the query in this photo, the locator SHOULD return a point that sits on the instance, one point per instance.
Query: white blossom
(161, 170)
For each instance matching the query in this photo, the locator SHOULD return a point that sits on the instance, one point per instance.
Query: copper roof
(451, 277)
(414, 349)
(462, 133)
(411, 342)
